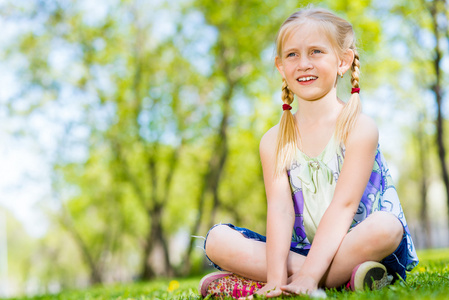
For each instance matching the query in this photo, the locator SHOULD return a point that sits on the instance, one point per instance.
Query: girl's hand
(269, 291)
(301, 285)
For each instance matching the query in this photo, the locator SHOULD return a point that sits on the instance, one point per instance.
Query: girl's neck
(319, 110)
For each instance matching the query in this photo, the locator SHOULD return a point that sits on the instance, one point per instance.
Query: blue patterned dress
(380, 193)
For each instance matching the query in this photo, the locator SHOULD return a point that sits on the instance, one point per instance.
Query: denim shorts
(395, 262)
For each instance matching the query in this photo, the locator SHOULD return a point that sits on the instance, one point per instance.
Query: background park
(129, 127)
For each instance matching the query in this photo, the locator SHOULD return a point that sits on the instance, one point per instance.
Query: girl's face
(309, 63)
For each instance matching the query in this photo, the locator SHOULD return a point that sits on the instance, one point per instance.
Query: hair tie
(286, 107)
(355, 90)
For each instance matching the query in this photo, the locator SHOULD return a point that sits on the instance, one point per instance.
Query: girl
(345, 216)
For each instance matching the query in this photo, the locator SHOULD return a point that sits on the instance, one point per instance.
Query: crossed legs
(372, 240)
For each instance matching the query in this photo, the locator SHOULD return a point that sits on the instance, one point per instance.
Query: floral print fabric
(380, 195)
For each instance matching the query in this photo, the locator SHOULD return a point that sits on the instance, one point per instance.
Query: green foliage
(20, 249)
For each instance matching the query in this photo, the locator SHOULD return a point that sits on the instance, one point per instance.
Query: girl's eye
(316, 51)
(291, 54)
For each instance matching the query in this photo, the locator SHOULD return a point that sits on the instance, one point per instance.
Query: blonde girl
(334, 218)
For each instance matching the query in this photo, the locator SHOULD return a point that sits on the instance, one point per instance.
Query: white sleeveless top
(318, 184)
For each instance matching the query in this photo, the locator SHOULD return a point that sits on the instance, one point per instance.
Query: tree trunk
(211, 178)
(440, 144)
(422, 162)
(155, 237)
(436, 88)
(222, 154)
(147, 270)
(95, 273)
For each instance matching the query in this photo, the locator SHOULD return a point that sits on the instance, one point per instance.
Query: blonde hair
(341, 34)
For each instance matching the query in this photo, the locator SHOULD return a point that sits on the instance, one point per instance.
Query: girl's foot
(369, 274)
(226, 284)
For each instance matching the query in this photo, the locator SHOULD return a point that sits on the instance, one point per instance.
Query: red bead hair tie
(286, 107)
(355, 90)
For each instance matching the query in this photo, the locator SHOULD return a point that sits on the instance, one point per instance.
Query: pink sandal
(226, 284)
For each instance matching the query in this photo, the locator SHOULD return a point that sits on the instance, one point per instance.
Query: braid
(287, 94)
(288, 135)
(348, 116)
(355, 68)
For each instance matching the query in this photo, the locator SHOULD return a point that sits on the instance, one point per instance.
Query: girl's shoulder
(364, 132)
(268, 141)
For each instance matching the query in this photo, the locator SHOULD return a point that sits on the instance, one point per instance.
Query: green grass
(429, 280)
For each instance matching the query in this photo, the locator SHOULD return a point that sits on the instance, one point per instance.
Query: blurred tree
(422, 162)
(424, 29)
(438, 10)
(417, 167)
(128, 176)
(17, 247)
(114, 164)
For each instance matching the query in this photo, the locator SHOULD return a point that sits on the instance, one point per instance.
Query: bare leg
(372, 240)
(233, 252)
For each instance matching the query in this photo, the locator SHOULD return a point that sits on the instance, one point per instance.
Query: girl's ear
(346, 61)
(279, 66)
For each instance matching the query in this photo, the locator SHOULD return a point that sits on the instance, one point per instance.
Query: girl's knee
(385, 229)
(213, 238)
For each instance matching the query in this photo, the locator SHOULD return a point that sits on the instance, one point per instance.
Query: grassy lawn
(429, 280)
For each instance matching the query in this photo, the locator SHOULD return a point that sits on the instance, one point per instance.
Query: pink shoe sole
(370, 274)
(208, 279)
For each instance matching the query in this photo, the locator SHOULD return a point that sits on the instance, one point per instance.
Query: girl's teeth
(306, 78)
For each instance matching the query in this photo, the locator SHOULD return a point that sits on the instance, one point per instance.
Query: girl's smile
(306, 79)
(309, 63)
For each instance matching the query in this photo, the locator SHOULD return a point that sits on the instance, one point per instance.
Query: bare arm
(280, 213)
(359, 159)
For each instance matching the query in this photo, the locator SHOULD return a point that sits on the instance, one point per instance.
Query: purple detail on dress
(375, 178)
(376, 181)
(299, 234)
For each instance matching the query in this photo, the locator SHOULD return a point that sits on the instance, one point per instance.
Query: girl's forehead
(306, 34)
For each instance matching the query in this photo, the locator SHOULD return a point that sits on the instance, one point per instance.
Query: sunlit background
(129, 127)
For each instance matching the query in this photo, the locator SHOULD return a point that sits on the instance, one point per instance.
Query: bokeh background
(129, 127)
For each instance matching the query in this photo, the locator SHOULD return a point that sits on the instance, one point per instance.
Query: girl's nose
(304, 63)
